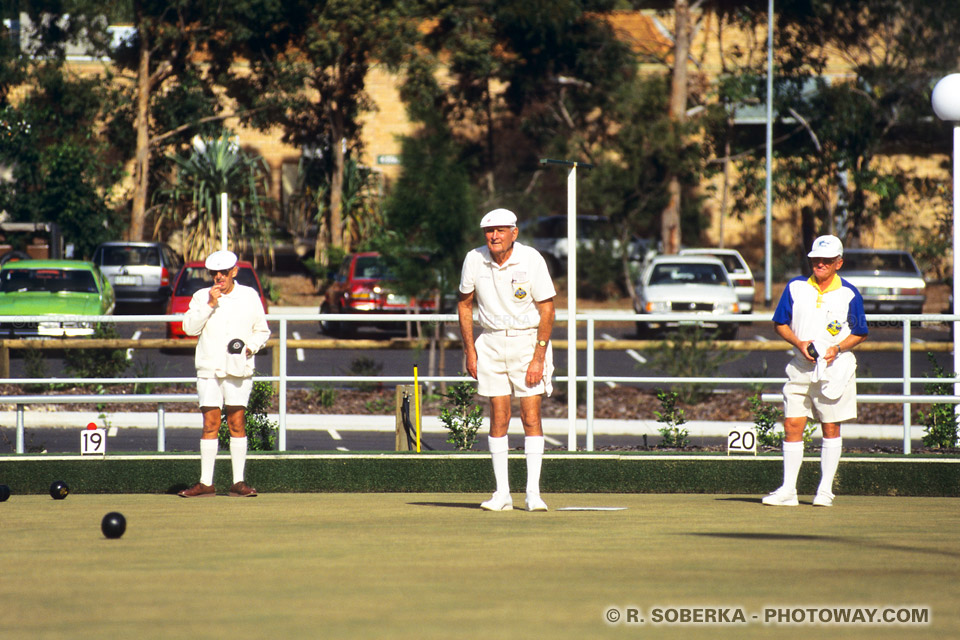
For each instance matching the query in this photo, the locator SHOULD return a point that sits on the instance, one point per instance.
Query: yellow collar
(833, 286)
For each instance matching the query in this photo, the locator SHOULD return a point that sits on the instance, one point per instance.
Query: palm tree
(191, 199)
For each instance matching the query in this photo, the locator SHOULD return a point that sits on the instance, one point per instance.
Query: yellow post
(416, 399)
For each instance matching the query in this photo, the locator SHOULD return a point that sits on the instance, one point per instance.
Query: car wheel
(644, 332)
(728, 331)
(13, 256)
(326, 326)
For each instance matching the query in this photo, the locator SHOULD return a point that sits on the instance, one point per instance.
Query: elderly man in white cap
(822, 317)
(513, 355)
(232, 325)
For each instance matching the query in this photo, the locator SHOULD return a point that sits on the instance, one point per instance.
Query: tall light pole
(768, 216)
(571, 296)
(946, 104)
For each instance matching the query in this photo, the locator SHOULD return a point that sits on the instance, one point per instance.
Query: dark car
(140, 272)
(195, 276)
(888, 279)
(365, 284)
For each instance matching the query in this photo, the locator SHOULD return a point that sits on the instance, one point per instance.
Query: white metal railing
(591, 378)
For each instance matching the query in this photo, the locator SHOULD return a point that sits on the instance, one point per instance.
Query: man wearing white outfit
(232, 325)
(513, 356)
(822, 317)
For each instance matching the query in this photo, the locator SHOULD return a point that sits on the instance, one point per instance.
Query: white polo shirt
(506, 293)
(826, 317)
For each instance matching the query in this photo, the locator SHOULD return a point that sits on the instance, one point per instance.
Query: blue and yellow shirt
(827, 316)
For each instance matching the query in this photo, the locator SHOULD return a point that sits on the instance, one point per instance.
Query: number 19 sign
(742, 440)
(93, 441)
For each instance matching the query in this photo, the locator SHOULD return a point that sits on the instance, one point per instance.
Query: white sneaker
(781, 498)
(499, 502)
(535, 503)
(823, 499)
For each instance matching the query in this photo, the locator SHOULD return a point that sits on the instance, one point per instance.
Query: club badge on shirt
(834, 327)
(519, 292)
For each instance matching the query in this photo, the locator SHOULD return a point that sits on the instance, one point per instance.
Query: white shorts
(230, 391)
(502, 363)
(802, 398)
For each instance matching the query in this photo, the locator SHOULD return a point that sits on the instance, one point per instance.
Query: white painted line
(136, 336)
(342, 449)
(761, 339)
(111, 432)
(334, 434)
(296, 336)
(452, 336)
(552, 441)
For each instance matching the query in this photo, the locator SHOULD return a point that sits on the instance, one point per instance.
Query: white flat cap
(499, 218)
(220, 260)
(826, 247)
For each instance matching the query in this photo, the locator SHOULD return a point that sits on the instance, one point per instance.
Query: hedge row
(472, 473)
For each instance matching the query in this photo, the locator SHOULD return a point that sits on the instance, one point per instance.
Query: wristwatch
(541, 343)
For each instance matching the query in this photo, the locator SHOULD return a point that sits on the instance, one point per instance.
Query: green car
(70, 288)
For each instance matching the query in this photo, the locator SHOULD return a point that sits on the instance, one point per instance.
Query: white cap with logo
(499, 218)
(220, 260)
(826, 247)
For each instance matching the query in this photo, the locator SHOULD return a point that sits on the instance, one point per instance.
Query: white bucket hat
(220, 260)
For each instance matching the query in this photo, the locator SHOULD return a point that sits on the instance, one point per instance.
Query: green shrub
(364, 366)
(765, 418)
(672, 417)
(97, 363)
(687, 356)
(461, 416)
(261, 432)
(941, 421)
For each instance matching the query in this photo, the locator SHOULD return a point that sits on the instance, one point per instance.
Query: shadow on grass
(447, 505)
(860, 542)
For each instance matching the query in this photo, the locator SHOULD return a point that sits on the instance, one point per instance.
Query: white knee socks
(208, 456)
(498, 453)
(829, 461)
(238, 457)
(792, 459)
(533, 451)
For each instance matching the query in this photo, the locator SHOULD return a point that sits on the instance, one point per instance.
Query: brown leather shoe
(242, 490)
(199, 490)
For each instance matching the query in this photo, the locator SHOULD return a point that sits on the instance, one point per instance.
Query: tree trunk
(141, 170)
(670, 218)
(336, 193)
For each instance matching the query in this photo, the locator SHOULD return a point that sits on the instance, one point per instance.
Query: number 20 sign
(93, 442)
(742, 440)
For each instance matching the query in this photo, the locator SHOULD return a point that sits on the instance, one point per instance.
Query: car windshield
(879, 262)
(130, 256)
(371, 267)
(196, 278)
(48, 280)
(690, 273)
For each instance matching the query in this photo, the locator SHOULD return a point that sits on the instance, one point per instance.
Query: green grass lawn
(435, 566)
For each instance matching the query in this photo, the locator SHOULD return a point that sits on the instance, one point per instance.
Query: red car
(193, 277)
(362, 285)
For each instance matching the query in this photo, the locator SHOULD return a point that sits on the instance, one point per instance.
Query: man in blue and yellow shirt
(822, 317)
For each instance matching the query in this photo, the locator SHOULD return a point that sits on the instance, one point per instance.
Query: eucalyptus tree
(307, 73)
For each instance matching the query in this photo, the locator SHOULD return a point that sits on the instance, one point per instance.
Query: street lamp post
(946, 104)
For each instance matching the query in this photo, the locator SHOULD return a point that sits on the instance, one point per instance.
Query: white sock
(829, 461)
(208, 456)
(498, 453)
(533, 451)
(238, 456)
(792, 459)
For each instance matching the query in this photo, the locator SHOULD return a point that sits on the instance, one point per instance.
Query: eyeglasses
(223, 272)
(823, 260)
